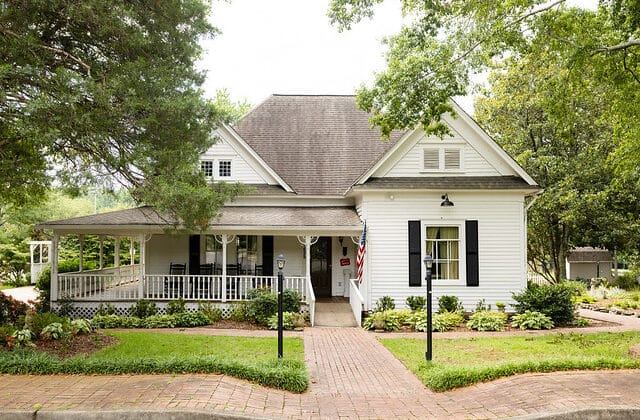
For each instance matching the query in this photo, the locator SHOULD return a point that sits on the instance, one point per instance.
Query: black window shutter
(415, 252)
(267, 255)
(471, 234)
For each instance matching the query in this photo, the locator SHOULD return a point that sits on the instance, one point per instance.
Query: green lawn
(251, 358)
(462, 362)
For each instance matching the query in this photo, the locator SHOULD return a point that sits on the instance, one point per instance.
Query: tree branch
(84, 65)
(621, 46)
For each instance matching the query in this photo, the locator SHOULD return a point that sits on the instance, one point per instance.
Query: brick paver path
(352, 376)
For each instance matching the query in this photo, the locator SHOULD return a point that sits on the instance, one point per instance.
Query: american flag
(360, 256)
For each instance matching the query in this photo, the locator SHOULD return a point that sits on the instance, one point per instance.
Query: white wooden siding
(241, 170)
(161, 250)
(412, 162)
(500, 231)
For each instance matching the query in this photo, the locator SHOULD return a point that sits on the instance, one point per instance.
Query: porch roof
(242, 218)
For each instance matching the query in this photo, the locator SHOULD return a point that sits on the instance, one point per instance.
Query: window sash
(443, 244)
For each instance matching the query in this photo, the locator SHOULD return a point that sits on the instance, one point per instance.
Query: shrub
(443, 321)
(15, 278)
(554, 300)
(482, 306)
(106, 309)
(532, 320)
(578, 287)
(584, 299)
(627, 281)
(108, 321)
(11, 310)
(65, 306)
(389, 321)
(262, 306)
(7, 340)
(43, 284)
(448, 303)
(54, 331)
(176, 306)
(159, 321)
(287, 320)
(416, 302)
(81, 326)
(143, 309)
(190, 319)
(385, 303)
(239, 312)
(213, 313)
(291, 300)
(487, 321)
(37, 321)
(447, 320)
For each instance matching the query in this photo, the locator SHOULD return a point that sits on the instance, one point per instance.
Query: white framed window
(444, 241)
(206, 166)
(442, 159)
(224, 168)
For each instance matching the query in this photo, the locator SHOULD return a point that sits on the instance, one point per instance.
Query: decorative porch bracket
(224, 239)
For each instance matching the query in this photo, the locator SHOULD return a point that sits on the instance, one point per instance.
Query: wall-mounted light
(445, 201)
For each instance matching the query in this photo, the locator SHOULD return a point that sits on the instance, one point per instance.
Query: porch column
(132, 250)
(54, 267)
(101, 252)
(307, 252)
(141, 281)
(116, 251)
(81, 258)
(224, 267)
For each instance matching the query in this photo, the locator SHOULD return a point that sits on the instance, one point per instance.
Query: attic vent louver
(431, 159)
(451, 159)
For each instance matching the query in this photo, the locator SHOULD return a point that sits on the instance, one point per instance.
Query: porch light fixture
(428, 264)
(445, 201)
(280, 262)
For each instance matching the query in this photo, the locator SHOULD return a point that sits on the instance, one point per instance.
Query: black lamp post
(280, 261)
(428, 263)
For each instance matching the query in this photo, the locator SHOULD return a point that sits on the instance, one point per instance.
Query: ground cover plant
(250, 358)
(462, 362)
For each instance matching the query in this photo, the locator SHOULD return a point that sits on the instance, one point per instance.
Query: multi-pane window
(206, 166)
(224, 168)
(442, 159)
(443, 244)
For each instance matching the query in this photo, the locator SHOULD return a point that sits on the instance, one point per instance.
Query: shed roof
(589, 254)
(318, 144)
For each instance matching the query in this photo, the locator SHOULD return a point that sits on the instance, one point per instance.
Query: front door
(321, 267)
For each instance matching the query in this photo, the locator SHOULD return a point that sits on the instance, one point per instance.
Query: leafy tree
(107, 88)
(444, 42)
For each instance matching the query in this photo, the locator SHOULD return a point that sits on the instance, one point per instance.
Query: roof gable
(318, 144)
(480, 155)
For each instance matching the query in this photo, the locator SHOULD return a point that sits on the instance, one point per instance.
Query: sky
(290, 47)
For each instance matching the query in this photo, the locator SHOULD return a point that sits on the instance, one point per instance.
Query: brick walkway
(352, 376)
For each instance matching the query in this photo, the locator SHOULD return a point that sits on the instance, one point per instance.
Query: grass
(462, 362)
(250, 358)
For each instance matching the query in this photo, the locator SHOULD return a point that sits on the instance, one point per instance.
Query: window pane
(206, 166)
(225, 168)
(443, 244)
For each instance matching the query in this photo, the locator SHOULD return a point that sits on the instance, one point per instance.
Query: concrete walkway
(352, 376)
(24, 294)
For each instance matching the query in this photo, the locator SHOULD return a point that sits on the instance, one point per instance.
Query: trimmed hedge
(289, 375)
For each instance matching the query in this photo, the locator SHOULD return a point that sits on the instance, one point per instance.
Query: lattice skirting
(89, 309)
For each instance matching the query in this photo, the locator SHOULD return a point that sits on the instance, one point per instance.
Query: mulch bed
(236, 325)
(76, 345)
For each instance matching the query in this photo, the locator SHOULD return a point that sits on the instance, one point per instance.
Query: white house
(318, 172)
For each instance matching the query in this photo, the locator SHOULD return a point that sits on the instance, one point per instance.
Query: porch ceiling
(233, 218)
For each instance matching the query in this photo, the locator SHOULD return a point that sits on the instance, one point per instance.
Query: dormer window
(224, 168)
(440, 159)
(206, 166)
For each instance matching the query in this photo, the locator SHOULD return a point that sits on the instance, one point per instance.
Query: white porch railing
(356, 300)
(311, 300)
(106, 285)
(536, 278)
(116, 283)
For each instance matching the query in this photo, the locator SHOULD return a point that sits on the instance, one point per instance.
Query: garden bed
(76, 345)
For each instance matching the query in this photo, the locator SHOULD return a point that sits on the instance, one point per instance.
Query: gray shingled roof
(231, 216)
(319, 145)
(449, 183)
(589, 254)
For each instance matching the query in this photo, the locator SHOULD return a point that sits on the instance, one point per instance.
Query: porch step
(334, 313)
